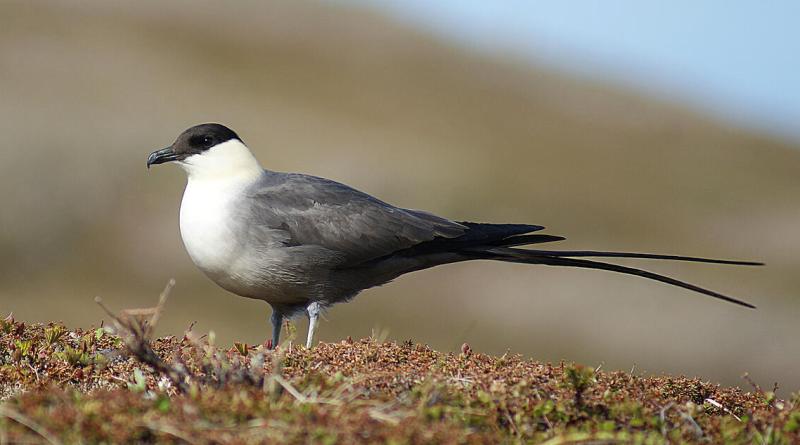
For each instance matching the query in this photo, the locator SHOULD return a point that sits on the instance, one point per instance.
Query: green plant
(7, 324)
(53, 334)
(578, 378)
(242, 348)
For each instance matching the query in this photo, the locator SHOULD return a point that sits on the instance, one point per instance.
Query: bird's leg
(277, 321)
(313, 311)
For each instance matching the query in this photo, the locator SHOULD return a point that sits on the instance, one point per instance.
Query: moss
(74, 385)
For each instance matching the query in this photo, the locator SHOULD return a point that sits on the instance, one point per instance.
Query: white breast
(217, 238)
(207, 224)
(217, 178)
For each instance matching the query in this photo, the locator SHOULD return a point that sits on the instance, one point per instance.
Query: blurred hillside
(88, 91)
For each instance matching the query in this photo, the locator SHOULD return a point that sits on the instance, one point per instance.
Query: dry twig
(135, 329)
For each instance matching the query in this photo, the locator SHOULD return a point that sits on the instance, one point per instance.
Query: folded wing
(318, 211)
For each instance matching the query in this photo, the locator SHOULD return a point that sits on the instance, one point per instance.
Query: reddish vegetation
(62, 386)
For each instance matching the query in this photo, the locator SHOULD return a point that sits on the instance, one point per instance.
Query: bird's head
(208, 150)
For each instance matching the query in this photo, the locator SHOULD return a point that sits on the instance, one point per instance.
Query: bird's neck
(229, 162)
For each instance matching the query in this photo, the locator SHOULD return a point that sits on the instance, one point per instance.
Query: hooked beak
(161, 156)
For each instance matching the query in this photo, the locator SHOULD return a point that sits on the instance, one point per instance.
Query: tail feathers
(592, 253)
(512, 235)
(537, 257)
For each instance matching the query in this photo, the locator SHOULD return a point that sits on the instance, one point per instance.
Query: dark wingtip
(523, 240)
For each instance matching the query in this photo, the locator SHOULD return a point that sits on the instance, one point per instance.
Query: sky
(739, 60)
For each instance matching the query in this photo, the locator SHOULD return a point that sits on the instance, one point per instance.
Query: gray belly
(279, 275)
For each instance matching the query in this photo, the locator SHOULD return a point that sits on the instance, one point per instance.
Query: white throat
(230, 161)
(217, 179)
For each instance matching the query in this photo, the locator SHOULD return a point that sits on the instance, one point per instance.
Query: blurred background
(670, 129)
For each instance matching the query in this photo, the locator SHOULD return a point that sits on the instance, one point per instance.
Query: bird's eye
(201, 141)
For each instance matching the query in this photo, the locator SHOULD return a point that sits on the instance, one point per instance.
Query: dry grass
(114, 385)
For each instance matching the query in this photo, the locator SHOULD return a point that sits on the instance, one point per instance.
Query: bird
(303, 243)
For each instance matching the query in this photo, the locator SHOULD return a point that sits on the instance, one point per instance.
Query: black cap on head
(193, 141)
(202, 137)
